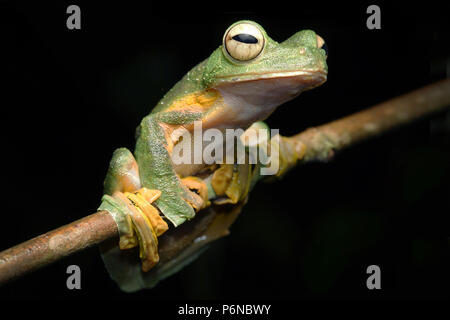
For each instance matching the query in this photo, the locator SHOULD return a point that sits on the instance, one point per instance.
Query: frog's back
(191, 82)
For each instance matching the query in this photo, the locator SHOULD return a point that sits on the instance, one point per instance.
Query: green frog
(241, 83)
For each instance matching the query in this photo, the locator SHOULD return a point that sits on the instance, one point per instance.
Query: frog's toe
(142, 199)
(197, 194)
(231, 183)
(147, 237)
(149, 195)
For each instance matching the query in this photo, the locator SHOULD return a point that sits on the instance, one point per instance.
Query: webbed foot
(130, 205)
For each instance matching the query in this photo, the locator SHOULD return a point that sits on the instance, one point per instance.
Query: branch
(315, 144)
(322, 142)
(54, 245)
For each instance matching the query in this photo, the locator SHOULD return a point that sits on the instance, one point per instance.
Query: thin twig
(315, 144)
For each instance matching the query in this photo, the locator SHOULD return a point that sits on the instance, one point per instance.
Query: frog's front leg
(130, 205)
(275, 154)
(180, 198)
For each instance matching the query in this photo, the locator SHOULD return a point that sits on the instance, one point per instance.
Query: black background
(70, 97)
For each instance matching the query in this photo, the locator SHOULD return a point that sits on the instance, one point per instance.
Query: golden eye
(243, 42)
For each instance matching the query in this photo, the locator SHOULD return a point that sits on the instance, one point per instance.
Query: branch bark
(315, 144)
(322, 142)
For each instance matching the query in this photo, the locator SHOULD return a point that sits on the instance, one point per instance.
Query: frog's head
(268, 73)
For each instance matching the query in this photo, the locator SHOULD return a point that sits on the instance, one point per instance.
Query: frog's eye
(243, 42)
(321, 44)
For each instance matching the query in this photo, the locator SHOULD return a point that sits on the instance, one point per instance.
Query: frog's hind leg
(123, 173)
(138, 221)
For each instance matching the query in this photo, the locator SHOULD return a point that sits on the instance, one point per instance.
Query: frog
(239, 85)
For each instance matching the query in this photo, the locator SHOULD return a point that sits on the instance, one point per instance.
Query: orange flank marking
(196, 102)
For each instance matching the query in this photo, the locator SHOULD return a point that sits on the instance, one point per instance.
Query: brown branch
(54, 245)
(315, 144)
(323, 141)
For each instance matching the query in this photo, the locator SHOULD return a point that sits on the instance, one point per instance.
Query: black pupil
(245, 38)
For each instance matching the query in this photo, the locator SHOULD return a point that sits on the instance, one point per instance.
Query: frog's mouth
(309, 78)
